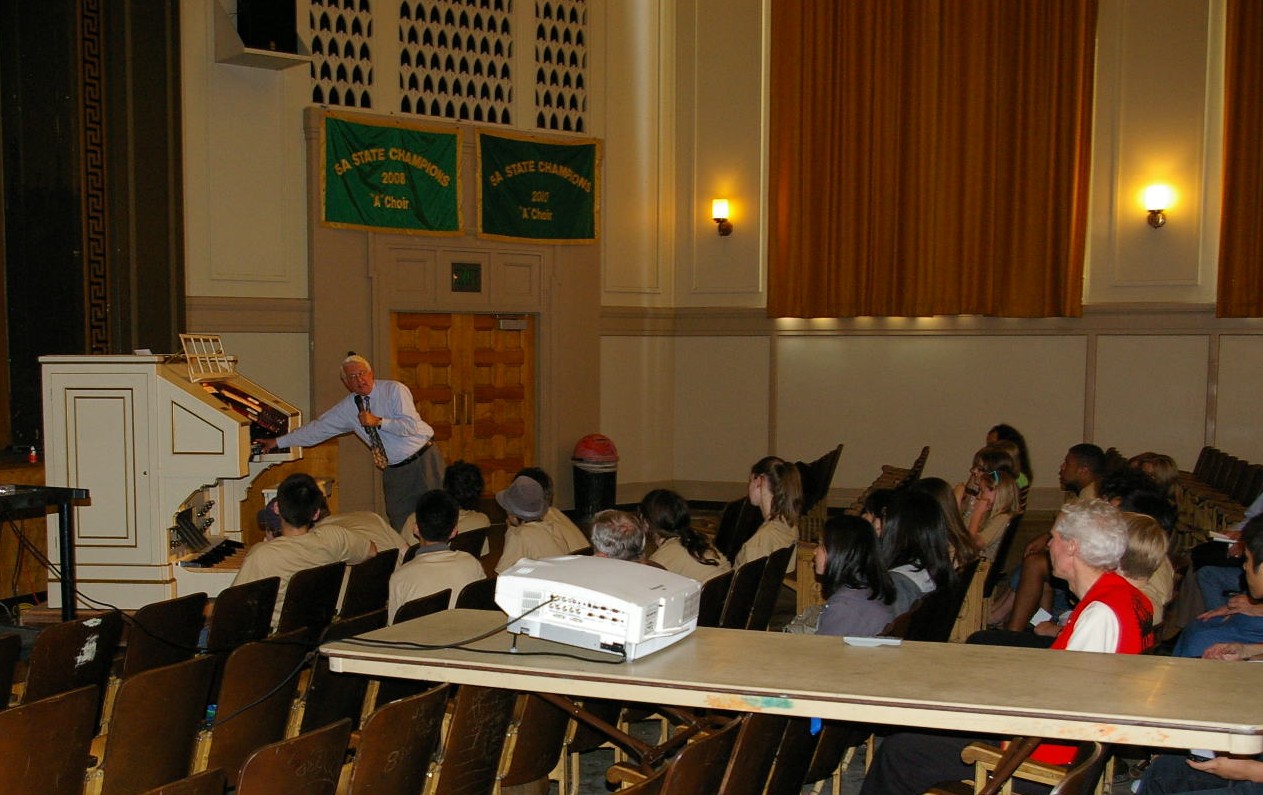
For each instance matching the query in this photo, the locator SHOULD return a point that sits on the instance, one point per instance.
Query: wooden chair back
(397, 745)
(834, 749)
(793, 757)
(770, 588)
(311, 599)
(918, 466)
(368, 584)
(309, 763)
(753, 754)
(714, 594)
(259, 682)
(208, 782)
(738, 522)
(741, 596)
(10, 652)
(73, 654)
(331, 696)
(475, 740)
(409, 554)
(44, 743)
(479, 595)
(700, 765)
(154, 725)
(243, 613)
(1085, 771)
(163, 633)
(1001, 555)
(536, 738)
(423, 606)
(582, 738)
(972, 615)
(934, 617)
(470, 541)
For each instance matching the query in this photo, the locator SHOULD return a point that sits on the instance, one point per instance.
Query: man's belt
(413, 457)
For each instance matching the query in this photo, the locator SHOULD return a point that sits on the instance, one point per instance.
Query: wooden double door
(473, 379)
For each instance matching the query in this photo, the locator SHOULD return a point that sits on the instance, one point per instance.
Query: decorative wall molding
(213, 314)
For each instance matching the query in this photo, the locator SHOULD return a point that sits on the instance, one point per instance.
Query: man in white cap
(384, 416)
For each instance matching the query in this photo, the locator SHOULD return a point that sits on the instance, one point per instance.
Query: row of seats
(1214, 495)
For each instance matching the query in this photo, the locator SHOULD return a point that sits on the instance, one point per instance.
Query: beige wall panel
(279, 363)
(1151, 394)
(721, 91)
(1239, 419)
(884, 398)
(637, 130)
(1156, 122)
(244, 181)
(637, 409)
(721, 406)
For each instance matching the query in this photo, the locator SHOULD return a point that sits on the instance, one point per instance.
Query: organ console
(167, 446)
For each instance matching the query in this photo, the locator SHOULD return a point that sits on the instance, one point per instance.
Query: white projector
(601, 604)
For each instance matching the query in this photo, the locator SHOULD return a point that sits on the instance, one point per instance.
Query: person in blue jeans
(1169, 774)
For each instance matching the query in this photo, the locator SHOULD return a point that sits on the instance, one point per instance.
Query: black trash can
(595, 464)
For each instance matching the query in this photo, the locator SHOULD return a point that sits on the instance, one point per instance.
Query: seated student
(299, 543)
(574, 538)
(464, 482)
(369, 525)
(1223, 774)
(988, 499)
(527, 536)
(960, 544)
(1003, 435)
(775, 488)
(435, 567)
(876, 504)
(1087, 541)
(1238, 621)
(680, 548)
(618, 535)
(859, 594)
(914, 548)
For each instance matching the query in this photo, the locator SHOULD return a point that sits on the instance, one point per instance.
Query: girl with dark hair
(776, 490)
(859, 592)
(914, 548)
(1007, 433)
(681, 549)
(959, 542)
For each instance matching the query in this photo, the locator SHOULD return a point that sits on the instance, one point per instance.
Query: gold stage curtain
(929, 157)
(1240, 243)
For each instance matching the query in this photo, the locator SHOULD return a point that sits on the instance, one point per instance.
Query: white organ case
(149, 442)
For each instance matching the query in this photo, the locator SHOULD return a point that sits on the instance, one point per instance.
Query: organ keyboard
(167, 447)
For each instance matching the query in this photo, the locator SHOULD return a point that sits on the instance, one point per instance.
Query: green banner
(391, 177)
(530, 189)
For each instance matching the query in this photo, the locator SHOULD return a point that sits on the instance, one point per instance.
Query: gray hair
(1099, 529)
(618, 535)
(354, 358)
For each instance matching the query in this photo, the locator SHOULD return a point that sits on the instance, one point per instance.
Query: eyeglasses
(364, 376)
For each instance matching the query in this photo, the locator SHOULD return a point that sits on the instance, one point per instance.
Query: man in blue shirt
(384, 416)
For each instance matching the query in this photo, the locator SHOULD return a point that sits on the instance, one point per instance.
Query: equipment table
(1125, 699)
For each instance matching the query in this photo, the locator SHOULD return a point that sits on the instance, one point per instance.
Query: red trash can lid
(597, 448)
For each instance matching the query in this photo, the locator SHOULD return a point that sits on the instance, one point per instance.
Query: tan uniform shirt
(772, 535)
(285, 556)
(673, 557)
(534, 540)
(431, 572)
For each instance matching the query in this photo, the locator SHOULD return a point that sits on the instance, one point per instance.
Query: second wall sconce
(719, 212)
(1158, 200)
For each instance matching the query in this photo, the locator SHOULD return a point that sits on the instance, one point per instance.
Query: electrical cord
(463, 645)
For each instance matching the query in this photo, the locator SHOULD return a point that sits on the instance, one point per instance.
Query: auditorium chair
(259, 682)
(44, 743)
(995, 768)
(368, 584)
(153, 728)
(478, 595)
(72, 654)
(710, 607)
(582, 738)
(741, 596)
(330, 696)
(471, 541)
(397, 744)
(793, 758)
(208, 782)
(475, 738)
(163, 633)
(423, 606)
(534, 745)
(311, 599)
(934, 617)
(769, 590)
(309, 763)
(753, 754)
(698, 767)
(834, 751)
(242, 613)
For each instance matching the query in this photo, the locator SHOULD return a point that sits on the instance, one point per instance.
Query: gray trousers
(403, 486)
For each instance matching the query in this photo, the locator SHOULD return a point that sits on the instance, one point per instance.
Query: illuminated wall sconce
(719, 212)
(1158, 199)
